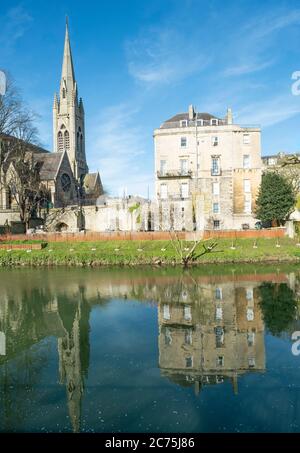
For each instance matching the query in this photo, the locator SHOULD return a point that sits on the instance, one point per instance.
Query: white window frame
(251, 362)
(199, 122)
(220, 292)
(250, 314)
(184, 171)
(220, 361)
(183, 140)
(248, 165)
(162, 168)
(246, 139)
(166, 312)
(214, 140)
(188, 336)
(184, 123)
(168, 337)
(216, 203)
(214, 122)
(214, 224)
(218, 166)
(187, 313)
(247, 203)
(250, 339)
(219, 314)
(164, 195)
(191, 361)
(184, 193)
(249, 293)
(247, 186)
(216, 188)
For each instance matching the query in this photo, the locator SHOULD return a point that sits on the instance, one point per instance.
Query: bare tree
(23, 181)
(19, 171)
(15, 117)
(16, 120)
(189, 255)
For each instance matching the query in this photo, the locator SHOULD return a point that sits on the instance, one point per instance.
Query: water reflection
(211, 329)
(210, 333)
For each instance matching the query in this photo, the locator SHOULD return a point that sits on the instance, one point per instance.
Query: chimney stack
(229, 116)
(191, 112)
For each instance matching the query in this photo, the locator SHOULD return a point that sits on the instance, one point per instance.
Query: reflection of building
(73, 350)
(210, 327)
(217, 337)
(26, 321)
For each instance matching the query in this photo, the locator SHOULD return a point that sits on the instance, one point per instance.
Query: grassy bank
(133, 253)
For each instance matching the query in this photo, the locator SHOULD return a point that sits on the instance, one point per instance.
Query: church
(64, 172)
(69, 132)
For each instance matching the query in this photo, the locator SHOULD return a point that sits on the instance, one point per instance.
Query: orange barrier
(244, 234)
(146, 235)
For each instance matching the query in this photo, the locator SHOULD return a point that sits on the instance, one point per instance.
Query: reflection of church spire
(235, 384)
(73, 351)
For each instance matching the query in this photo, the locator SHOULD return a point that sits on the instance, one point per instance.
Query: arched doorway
(61, 227)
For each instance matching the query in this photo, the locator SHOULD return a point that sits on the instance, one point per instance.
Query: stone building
(212, 162)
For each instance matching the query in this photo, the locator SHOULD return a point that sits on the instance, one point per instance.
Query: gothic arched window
(77, 144)
(81, 144)
(67, 140)
(60, 143)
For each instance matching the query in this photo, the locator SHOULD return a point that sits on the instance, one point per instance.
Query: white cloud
(13, 26)
(164, 56)
(117, 148)
(270, 112)
(247, 68)
(252, 46)
(266, 25)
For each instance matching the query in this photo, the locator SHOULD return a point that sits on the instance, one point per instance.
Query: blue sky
(138, 63)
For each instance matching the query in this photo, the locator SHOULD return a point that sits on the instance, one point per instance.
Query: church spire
(68, 116)
(67, 75)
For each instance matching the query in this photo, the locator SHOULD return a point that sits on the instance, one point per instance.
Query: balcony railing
(173, 196)
(174, 174)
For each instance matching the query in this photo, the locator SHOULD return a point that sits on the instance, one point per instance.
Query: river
(150, 350)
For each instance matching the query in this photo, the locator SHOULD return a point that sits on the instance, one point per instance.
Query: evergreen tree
(276, 198)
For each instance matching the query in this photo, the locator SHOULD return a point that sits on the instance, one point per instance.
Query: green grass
(24, 241)
(133, 253)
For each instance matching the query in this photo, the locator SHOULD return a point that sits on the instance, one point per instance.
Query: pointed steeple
(67, 75)
(55, 102)
(68, 116)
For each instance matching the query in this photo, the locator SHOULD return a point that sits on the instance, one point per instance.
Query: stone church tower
(68, 117)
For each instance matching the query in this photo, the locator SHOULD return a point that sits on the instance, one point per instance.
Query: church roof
(31, 147)
(50, 163)
(185, 116)
(90, 181)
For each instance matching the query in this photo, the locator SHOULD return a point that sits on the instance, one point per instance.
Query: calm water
(207, 350)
